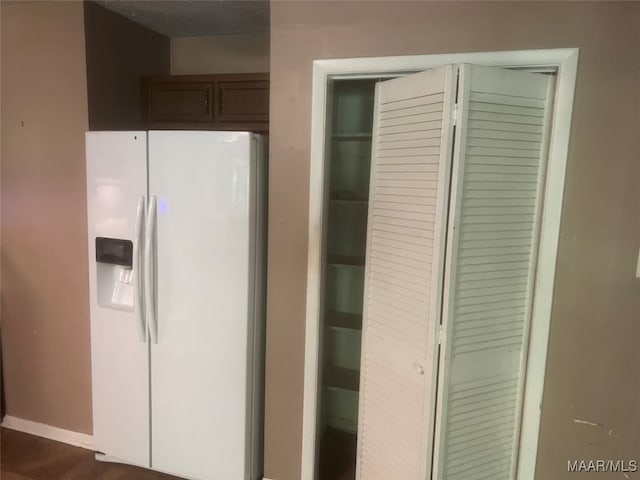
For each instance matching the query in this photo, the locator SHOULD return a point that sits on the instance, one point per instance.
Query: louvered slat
(394, 103)
(505, 127)
(498, 134)
(401, 154)
(421, 106)
(414, 135)
(403, 274)
(498, 106)
(494, 236)
(411, 119)
(419, 126)
(390, 161)
(502, 99)
(408, 176)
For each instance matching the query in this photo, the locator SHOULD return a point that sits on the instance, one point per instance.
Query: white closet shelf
(351, 136)
(343, 320)
(347, 196)
(343, 378)
(346, 260)
(360, 201)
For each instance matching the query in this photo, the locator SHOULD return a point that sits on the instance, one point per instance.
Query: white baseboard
(47, 431)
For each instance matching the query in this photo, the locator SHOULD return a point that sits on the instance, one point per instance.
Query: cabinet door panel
(243, 102)
(186, 102)
(403, 277)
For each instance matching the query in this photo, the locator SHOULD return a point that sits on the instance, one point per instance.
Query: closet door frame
(564, 63)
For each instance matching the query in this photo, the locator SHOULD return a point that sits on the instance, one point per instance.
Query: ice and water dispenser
(114, 259)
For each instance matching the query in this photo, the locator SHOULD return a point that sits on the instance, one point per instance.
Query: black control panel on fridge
(114, 251)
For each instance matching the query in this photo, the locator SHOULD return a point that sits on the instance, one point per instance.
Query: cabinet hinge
(454, 119)
(440, 334)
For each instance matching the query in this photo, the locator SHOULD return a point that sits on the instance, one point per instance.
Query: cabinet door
(411, 153)
(200, 372)
(243, 102)
(181, 102)
(498, 176)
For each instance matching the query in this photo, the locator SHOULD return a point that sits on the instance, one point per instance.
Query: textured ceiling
(181, 18)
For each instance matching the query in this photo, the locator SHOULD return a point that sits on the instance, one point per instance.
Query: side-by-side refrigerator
(176, 255)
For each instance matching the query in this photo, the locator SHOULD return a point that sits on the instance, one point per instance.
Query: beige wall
(238, 53)
(593, 354)
(45, 310)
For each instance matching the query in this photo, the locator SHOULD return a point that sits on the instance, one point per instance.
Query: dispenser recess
(114, 258)
(114, 251)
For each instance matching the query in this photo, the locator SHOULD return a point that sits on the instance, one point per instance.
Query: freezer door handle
(150, 270)
(138, 275)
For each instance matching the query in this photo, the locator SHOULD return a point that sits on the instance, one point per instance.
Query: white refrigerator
(176, 255)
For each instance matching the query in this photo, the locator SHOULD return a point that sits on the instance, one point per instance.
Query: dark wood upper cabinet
(181, 102)
(207, 102)
(243, 101)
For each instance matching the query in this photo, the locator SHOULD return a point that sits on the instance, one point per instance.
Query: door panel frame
(565, 63)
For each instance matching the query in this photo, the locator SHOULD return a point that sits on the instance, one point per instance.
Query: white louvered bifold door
(497, 180)
(410, 170)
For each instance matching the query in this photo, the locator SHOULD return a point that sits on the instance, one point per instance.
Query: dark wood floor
(25, 457)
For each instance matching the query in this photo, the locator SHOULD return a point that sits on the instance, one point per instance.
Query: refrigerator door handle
(138, 266)
(149, 270)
